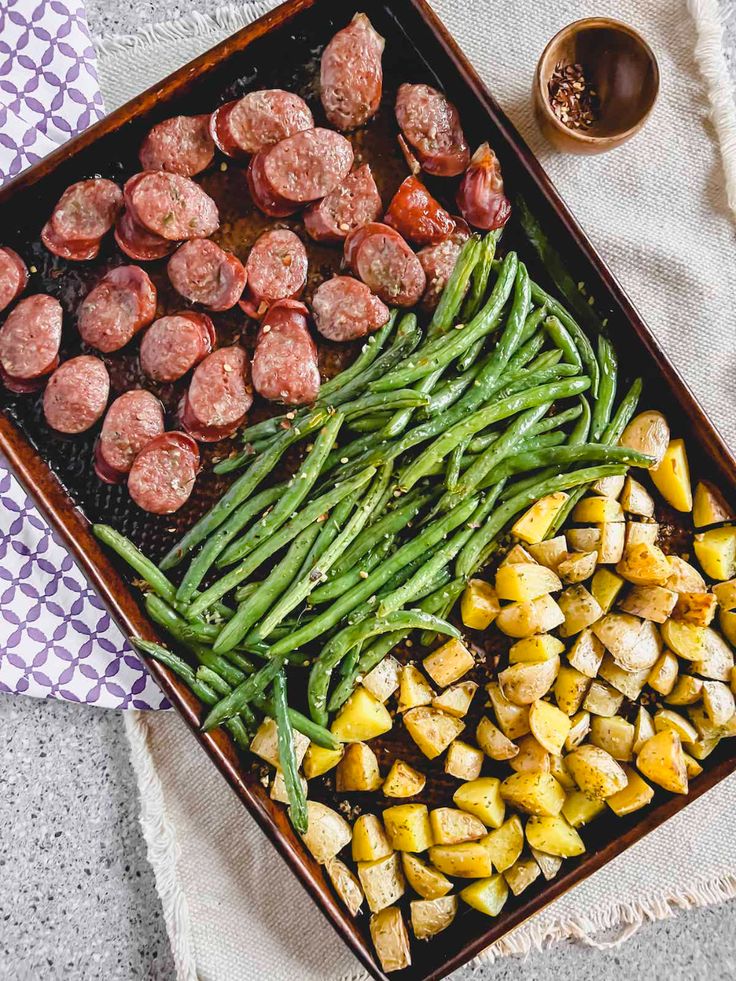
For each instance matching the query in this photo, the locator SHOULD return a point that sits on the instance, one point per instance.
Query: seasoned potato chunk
(479, 605)
(643, 728)
(448, 663)
(629, 683)
(672, 477)
(493, 742)
(554, 836)
(513, 720)
(505, 844)
(636, 499)
(586, 653)
(716, 552)
(605, 587)
(579, 729)
(595, 771)
(613, 539)
(522, 582)
(451, 826)
(609, 486)
(358, 769)
(550, 551)
(663, 674)
(370, 841)
(423, 879)
(550, 726)
(391, 939)
(346, 885)
(624, 636)
(579, 809)
(456, 699)
(328, 832)
(709, 507)
(683, 577)
(669, 719)
(487, 895)
(636, 794)
(579, 609)
(597, 510)
(718, 702)
(533, 793)
(463, 761)
(650, 602)
(265, 743)
(383, 680)
(640, 531)
(699, 608)
(549, 864)
(431, 916)
(614, 735)
(644, 564)
(662, 760)
(648, 432)
(577, 567)
(531, 758)
(521, 875)
(319, 760)
(361, 718)
(687, 690)
(725, 594)
(414, 689)
(602, 699)
(687, 640)
(571, 687)
(403, 780)
(584, 539)
(407, 827)
(523, 684)
(533, 525)
(278, 788)
(468, 860)
(482, 797)
(432, 730)
(535, 617)
(540, 647)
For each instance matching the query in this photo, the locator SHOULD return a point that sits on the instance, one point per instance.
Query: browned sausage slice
(163, 474)
(416, 215)
(132, 421)
(259, 120)
(351, 77)
(29, 343)
(345, 309)
(381, 258)
(352, 203)
(307, 166)
(76, 395)
(263, 195)
(174, 344)
(204, 273)
(13, 276)
(137, 242)
(181, 145)
(481, 197)
(78, 251)
(86, 210)
(276, 269)
(431, 125)
(172, 206)
(122, 303)
(219, 396)
(438, 261)
(285, 365)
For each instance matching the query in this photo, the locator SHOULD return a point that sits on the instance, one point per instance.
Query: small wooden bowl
(619, 65)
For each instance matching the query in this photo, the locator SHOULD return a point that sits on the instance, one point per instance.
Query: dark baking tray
(282, 49)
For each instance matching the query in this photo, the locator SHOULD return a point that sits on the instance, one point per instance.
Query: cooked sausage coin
(122, 303)
(76, 395)
(163, 474)
(285, 364)
(219, 395)
(345, 309)
(174, 344)
(181, 145)
(131, 422)
(204, 273)
(431, 125)
(351, 77)
(29, 342)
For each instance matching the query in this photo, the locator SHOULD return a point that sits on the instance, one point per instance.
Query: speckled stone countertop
(77, 896)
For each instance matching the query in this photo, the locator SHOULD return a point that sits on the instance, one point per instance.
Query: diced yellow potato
(346, 885)
(579, 809)
(636, 794)
(705, 726)
(550, 726)
(613, 539)
(672, 477)
(523, 684)
(584, 539)
(687, 640)
(493, 742)
(468, 860)
(533, 525)
(597, 510)
(602, 699)
(278, 788)
(579, 729)
(370, 841)
(531, 758)
(482, 797)
(456, 699)
(486, 895)
(595, 771)
(558, 769)
(648, 432)
(516, 555)
(718, 702)
(539, 647)
(535, 617)
(605, 587)
(408, 827)
(533, 793)
(716, 552)
(414, 689)
(463, 761)
(692, 767)
(361, 718)
(550, 551)
(684, 578)
(391, 939)
(620, 634)
(358, 769)
(640, 531)
(644, 565)
(709, 507)
(662, 760)
(424, 880)
(702, 749)
(265, 743)
(505, 844)
(643, 728)
(383, 680)
(725, 594)
(549, 864)
(629, 683)
(698, 608)
(577, 566)
(479, 605)
(431, 916)
(448, 663)
(319, 760)
(522, 582)
(687, 690)
(615, 735)
(636, 499)
(521, 875)
(609, 486)
(716, 660)
(451, 826)
(432, 730)
(579, 609)
(327, 833)
(513, 720)
(554, 836)
(403, 780)
(586, 653)
(650, 602)
(663, 675)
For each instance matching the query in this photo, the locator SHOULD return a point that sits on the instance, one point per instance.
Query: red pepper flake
(572, 98)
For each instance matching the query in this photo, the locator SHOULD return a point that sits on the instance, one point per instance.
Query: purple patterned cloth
(56, 638)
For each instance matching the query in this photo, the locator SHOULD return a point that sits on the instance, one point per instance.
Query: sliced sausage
(137, 242)
(86, 211)
(204, 273)
(122, 303)
(172, 206)
(351, 77)
(345, 309)
(258, 120)
(285, 364)
(431, 126)
(276, 269)
(480, 197)
(438, 262)
(174, 344)
(76, 395)
(264, 197)
(219, 396)
(78, 251)
(416, 215)
(132, 421)
(29, 343)
(352, 203)
(13, 276)
(181, 145)
(382, 259)
(163, 474)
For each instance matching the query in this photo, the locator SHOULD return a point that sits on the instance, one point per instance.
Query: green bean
(585, 349)
(606, 388)
(245, 692)
(480, 276)
(527, 350)
(561, 338)
(302, 723)
(340, 584)
(559, 419)
(450, 391)
(561, 456)
(399, 398)
(287, 757)
(532, 378)
(454, 461)
(398, 422)
(440, 603)
(213, 679)
(455, 289)
(246, 590)
(372, 423)
(328, 532)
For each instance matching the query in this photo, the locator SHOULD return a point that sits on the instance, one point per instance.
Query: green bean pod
(287, 757)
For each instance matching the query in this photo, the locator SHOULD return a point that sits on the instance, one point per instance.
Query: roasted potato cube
(613, 539)
(493, 742)
(615, 735)
(358, 769)
(265, 743)
(702, 749)
(319, 760)
(391, 939)
(540, 647)
(597, 510)
(424, 880)
(629, 683)
(595, 771)
(383, 680)
(718, 702)
(579, 609)
(479, 605)
(533, 793)
(577, 566)
(456, 699)
(727, 623)
(558, 769)
(278, 790)
(636, 499)
(550, 551)
(361, 718)
(327, 833)
(609, 486)
(620, 633)
(662, 760)
(523, 684)
(431, 916)
(709, 507)
(716, 552)
(605, 587)
(579, 809)
(716, 660)
(513, 720)
(644, 565)
(451, 826)
(531, 758)
(523, 582)
(505, 844)
(408, 827)
(463, 760)
(414, 689)
(548, 864)
(643, 728)
(482, 797)
(649, 433)
(684, 578)
(704, 724)
(521, 874)
(602, 699)
(432, 730)
(533, 525)
(687, 690)
(725, 594)
(370, 841)
(687, 640)
(554, 836)
(663, 675)
(640, 531)
(586, 653)
(403, 780)
(468, 860)
(672, 477)
(571, 687)
(636, 794)
(579, 729)
(516, 555)
(486, 895)
(584, 539)
(549, 725)
(698, 608)
(692, 767)
(448, 663)
(345, 884)
(535, 617)
(650, 602)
